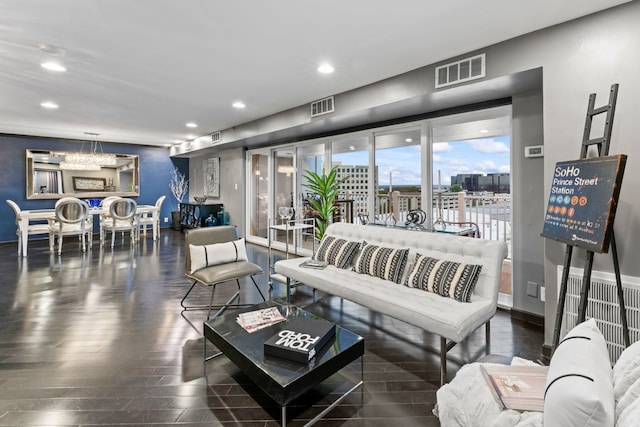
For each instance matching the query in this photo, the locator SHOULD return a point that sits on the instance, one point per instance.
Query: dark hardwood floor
(100, 339)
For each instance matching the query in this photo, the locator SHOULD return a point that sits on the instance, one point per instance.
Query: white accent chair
(122, 217)
(152, 219)
(72, 218)
(32, 229)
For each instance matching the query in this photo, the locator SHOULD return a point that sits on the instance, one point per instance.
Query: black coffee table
(281, 379)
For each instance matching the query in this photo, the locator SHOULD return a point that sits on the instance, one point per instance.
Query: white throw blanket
(467, 401)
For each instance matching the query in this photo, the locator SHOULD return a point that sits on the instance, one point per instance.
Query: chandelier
(94, 159)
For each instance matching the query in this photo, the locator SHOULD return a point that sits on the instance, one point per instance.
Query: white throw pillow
(579, 389)
(203, 256)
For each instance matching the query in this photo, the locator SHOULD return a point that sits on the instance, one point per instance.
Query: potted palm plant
(179, 186)
(325, 188)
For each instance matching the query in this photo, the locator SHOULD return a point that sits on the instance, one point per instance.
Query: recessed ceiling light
(484, 131)
(192, 125)
(238, 104)
(53, 66)
(48, 104)
(326, 69)
(408, 140)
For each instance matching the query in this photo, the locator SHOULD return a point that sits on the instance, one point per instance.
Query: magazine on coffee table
(254, 320)
(517, 387)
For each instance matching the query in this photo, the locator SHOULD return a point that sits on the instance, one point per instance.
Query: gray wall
(583, 57)
(231, 183)
(527, 200)
(576, 59)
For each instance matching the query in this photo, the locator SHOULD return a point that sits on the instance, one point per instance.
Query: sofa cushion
(336, 251)
(449, 279)
(203, 256)
(383, 262)
(579, 390)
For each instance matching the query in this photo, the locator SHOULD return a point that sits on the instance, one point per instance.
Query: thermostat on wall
(534, 151)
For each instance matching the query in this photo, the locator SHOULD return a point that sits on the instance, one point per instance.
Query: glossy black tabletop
(281, 379)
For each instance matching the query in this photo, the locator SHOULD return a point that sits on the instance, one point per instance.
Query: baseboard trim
(534, 319)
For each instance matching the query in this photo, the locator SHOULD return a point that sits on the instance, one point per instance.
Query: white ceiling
(139, 70)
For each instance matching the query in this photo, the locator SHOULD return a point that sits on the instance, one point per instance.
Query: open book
(517, 387)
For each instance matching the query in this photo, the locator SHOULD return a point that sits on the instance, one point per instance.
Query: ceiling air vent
(216, 137)
(460, 71)
(322, 106)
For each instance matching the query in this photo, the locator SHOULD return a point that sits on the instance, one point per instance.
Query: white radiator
(603, 306)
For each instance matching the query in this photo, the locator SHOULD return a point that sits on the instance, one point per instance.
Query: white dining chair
(32, 229)
(152, 218)
(71, 219)
(122, 217)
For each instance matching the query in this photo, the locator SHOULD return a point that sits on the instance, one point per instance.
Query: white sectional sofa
(447, 317)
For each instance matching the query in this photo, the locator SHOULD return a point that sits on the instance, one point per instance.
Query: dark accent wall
(155, 174)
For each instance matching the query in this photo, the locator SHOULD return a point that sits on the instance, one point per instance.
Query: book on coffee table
(313, 263)
(300, 339)
(517, 387)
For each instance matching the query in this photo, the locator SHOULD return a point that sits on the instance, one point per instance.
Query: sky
(480, 156)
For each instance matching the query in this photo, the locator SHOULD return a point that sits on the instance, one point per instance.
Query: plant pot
(175, 219)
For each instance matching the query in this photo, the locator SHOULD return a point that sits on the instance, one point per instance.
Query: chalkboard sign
(583, 200)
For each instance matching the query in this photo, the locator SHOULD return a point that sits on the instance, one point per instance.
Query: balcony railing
(492, 212)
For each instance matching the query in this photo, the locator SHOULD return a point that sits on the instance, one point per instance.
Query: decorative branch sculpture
(179, 185)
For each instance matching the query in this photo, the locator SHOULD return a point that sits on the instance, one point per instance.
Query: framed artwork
(212, 177)
(583, 201)
(81, 183)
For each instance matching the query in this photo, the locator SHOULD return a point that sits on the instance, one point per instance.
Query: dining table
(39, 215)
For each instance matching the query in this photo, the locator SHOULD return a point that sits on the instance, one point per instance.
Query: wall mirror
(47, 179)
